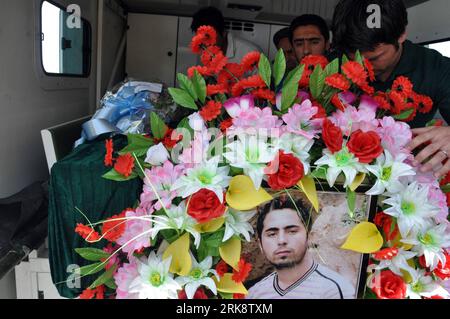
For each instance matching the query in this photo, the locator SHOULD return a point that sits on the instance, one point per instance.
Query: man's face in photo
(307, 40)
(284, 238)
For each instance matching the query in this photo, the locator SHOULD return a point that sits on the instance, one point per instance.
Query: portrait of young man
(283, 229)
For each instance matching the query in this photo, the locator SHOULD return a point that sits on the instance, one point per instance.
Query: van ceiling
(269, 11)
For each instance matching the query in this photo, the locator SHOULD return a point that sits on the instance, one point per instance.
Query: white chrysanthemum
(236, 223)
(424, 286)
(199, 276)
(154, 280)
(430, 242)
(398, 263)
(388, 172)
(252, 154)
(342, 161)
(297, 145)
(411, 207)
(205, 175)
(176, 218)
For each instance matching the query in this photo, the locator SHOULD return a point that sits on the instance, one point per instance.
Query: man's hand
(437, 150)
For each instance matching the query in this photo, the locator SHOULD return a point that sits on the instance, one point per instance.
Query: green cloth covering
(76, 181)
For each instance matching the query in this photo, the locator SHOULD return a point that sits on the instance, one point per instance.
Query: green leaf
(215, 239)
(105, 277)
(115, 176)
(184, 123)
(264, 69)
(137, 144)
(332, 67)
(183, 98)
(199, 86)
(225, 295)
(158, 127)
(111, 283)
(290, 88)
(317, 82)
(351, 201)
(320, 173)
(344, 59)
(359, 58)
(91, 269)
(404, 115)
(279, 67)
(186, 84)
(92, 254)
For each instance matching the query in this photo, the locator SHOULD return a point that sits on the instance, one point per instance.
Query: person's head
(281, 40)
(210, 16)
(355, 28)
(283, 232)
(309, 34)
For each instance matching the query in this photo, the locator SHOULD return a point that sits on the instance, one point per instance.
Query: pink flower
(162, 178)
(254, 119)
(135, 228)
(353, 119)
(123, 278)
(395, 136)
(236, 106)
(438, 198)
(299, 119)
(197, 151)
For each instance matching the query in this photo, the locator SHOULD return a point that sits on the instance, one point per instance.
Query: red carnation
(369, 68)
(221, 268)
(423, 103)
(386, 254)
(243, 271)
(87, 233)
(114, 227)
(211, 110)
(355, 72)
(202, 70)
(124, 164)
(170, 139)
(290, 171)
(310, 62)
(230, 75)
(336, 101)
(213, 89)
(399, 101)
(403, 86)
(388, 285)
(366, 146)
(205, 205)
(332, 136)
(250, 61)
(214, 59)
(264, 94)
(338, 81)
(205, 36)
(97, 293)
(382, 101)
(109, 152)
(225, 124)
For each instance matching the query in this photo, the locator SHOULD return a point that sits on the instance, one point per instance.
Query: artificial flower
(237, 223)
(403, 86)
(108, 161)
(285, 171)
(241, 274)
(398, 262)
(157, 155)
(114, 227)
(365, 146)
(211, 110)
(124, 164)
(137, 231)
(388, 172)
(411, 207)
(87, 233)
(154, 281)
(332, 136)
(204, 206)
(199, 276)
(388, 285)
(206, 175)
(297, 145)
(123, 277)
(298, 119)
(337, 81)
(423, 286)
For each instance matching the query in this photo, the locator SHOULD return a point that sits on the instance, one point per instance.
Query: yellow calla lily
(228, 285)
(181, 259)
(230, 252)
(211, 226)
(243, 196)
(364, 238)
(357, 181)
(308, 186)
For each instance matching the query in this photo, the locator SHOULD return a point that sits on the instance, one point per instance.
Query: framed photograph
(289, 264)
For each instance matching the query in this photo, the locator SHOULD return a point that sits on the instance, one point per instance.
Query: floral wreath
(246, 142)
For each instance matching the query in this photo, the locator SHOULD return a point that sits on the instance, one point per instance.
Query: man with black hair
(309, 35)
(391, 55)
(234, 47)
(281, 40)
(282, 229)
